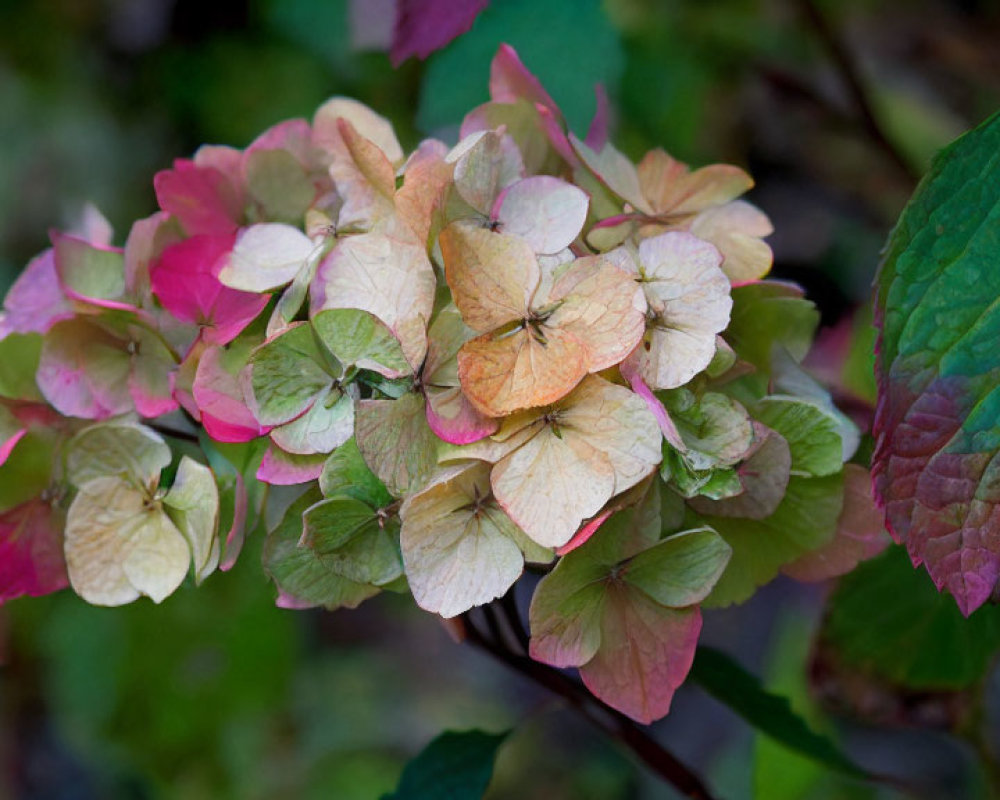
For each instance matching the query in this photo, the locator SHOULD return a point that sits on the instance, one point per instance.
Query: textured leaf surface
(287, 375)
(805, 520)
(396, 441)
(935, 464)
(353, 540)
(620, 607)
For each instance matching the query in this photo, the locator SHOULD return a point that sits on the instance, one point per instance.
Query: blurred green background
(216, 693)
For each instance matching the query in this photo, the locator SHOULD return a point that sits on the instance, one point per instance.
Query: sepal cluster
(522, 349)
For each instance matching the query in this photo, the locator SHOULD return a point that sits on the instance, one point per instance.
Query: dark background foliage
(218, 694)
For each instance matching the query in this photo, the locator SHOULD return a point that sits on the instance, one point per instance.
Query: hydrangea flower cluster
(523, 348)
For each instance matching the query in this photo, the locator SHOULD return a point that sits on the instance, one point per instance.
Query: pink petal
(454, 419)
(7, 445)
(146, 241)
(293, 135)
(284, 469)
(630, 372)
(83, 371)
(586, 531)
(551, 122)
(646, 652)
(36, 301)
(511, 81)
(597, 133)
(217, 392)
(202, 198)
(31, 554)
(423, 26)
(185, 282)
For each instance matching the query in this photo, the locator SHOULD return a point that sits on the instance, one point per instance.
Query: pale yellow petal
(120, 545)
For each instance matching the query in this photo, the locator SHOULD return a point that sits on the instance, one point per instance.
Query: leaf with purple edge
(937, 440)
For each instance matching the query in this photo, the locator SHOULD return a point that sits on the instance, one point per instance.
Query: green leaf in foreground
(455, 766)
(935, 466)
(731, 684)
(885, 618)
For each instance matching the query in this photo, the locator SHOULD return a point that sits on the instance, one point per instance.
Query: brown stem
(851, 76)
(648, 750)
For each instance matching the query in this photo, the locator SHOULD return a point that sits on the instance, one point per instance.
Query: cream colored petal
(372, 126)
(736, 229)
(119, 545)
(387, 273)
(193, 505)
(603, 307)
(458, 545)
(617, 423)
(492, 276)
(551, 484)
(688, 296)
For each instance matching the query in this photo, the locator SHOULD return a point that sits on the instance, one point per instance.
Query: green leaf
(19, 356)
(303, 580)
(353, 540)
(681, 570)
(731, 684)
(805, 519)
(89, 271)
(28, 470)
(455, 766)
(279, 184)
(813, 435)
(887, 619)
(359, 339)
(288, 374)
(346, 473)
(935, 465)
(396, 441)
(768, 313)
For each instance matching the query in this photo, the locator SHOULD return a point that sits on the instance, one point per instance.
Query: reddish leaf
(31, 551)
(423, 26)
